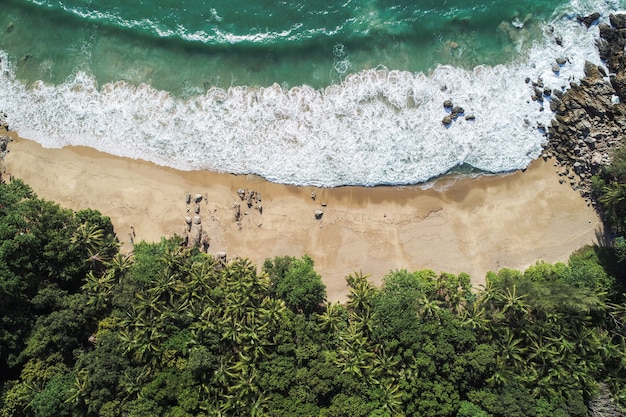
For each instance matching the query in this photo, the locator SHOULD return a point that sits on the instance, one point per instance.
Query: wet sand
(473, 225)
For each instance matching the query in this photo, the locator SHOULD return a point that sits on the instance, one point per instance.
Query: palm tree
(511, 350)
(89, 236)
(99, 288)
(173, 259)
(512, 301)
(120, 264)
(542, 352)
(166, 287)
(389, 397)
(384, 365)
(361, 292)
(475, 317)
(77, 394)
(272, 311)
(331, 319)
(429, 308)
(614, 199)
(354, 356)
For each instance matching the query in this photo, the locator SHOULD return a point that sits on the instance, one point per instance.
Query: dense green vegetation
(86, 331)
(609, 188)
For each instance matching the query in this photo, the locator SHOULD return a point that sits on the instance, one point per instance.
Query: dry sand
(473, 226)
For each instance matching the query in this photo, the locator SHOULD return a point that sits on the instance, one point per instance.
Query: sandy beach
(471, 226)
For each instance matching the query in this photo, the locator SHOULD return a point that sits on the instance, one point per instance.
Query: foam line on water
(378, 126)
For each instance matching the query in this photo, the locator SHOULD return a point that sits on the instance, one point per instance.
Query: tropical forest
(165, 330)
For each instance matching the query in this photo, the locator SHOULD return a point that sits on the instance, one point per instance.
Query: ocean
(317, 92)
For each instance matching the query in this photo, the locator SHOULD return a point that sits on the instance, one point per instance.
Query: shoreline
(474, 225)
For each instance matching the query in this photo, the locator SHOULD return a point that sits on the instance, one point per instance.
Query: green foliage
(51, 401)
(148, 258)
(586, 270)
(41, 265)
(620, 248)
(169, 331)
(296, 282)
(469, 409)
(609, 188)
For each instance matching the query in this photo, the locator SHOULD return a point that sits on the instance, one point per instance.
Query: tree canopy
(166, 330)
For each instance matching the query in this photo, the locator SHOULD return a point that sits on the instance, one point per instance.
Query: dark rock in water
(588, 20)
(470, 117)
(618, 21)
(458, 110)
(559, 40)
(447, 120)
(447, 104)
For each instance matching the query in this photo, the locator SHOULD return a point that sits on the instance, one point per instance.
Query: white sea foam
(378, 126)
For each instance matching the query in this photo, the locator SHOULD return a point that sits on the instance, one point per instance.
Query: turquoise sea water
(308, 92)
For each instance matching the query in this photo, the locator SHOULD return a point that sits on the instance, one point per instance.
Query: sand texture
(472, 226)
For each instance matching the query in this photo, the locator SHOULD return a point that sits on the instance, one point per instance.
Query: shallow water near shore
(316, 93)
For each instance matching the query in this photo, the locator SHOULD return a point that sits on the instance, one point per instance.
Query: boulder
(591, 70)
(205, 241)
(588, 20)
(457, 111)
(318, 214)
(618, 21)
(237, 211)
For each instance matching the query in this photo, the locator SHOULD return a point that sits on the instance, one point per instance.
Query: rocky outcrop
(590, 116)
(4, 143)
(193, 235)
(251, 199)
(454, 112)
